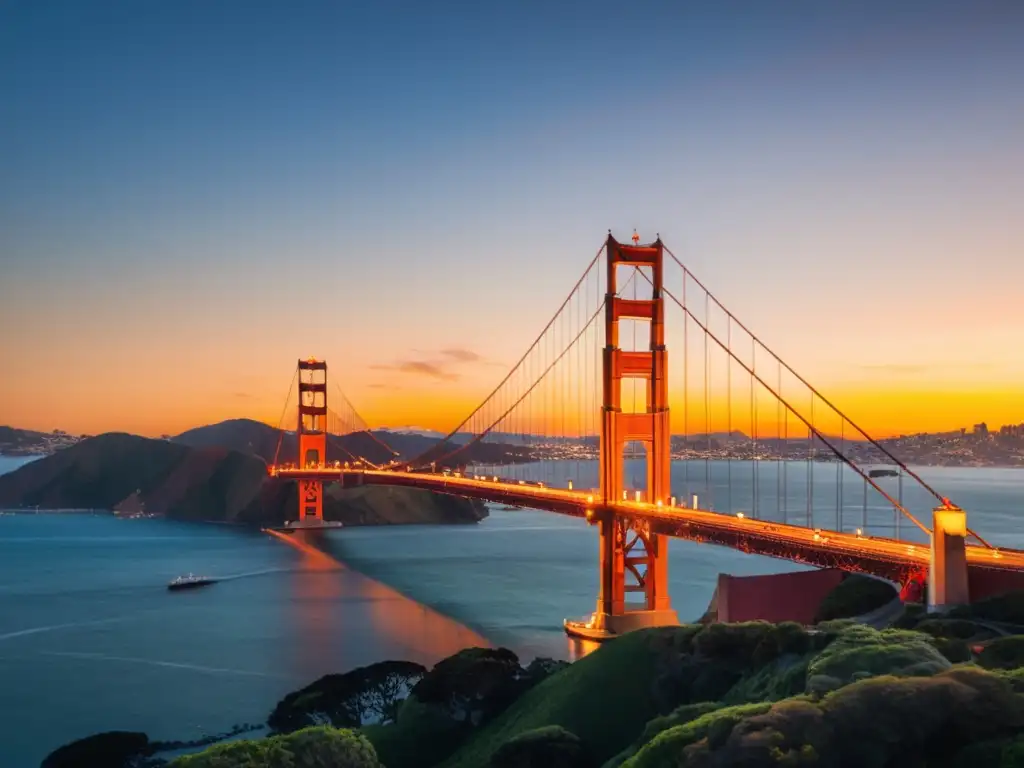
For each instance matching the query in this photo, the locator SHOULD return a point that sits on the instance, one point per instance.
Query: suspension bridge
(734, 449)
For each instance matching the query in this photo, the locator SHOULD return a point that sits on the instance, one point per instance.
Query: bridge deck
(869, 554)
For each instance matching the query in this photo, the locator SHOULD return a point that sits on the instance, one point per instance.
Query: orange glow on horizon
(165, 400)
(881, 412)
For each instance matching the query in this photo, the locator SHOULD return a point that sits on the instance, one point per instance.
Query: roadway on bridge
(818, 547)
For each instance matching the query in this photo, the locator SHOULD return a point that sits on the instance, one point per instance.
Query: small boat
(189, 582)
(883, 473)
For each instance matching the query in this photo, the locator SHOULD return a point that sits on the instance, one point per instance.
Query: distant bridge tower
(312, 435)
(628, 550)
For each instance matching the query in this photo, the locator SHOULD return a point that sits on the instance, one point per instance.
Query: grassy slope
(604, 698)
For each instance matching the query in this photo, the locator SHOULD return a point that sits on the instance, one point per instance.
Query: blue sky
(178, 176)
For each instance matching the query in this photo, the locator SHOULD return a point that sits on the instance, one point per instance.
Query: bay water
(91, 640)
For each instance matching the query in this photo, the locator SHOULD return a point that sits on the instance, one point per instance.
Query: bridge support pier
(947, 576)
(311, 431)
(631, 558)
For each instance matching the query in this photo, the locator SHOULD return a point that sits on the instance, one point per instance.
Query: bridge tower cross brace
(619, 536)
(312, 435)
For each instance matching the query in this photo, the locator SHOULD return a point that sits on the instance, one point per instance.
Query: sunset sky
(195, 193)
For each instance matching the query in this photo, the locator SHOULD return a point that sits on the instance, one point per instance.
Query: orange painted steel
(632, 558)
(879, 556)
(312, 435)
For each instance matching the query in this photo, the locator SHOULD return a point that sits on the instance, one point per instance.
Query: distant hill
(421, 431)
(248, 436)
(255, 437)
(12, 437)
(127, 473)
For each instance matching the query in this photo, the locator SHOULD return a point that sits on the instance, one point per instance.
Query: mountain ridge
(132, 475)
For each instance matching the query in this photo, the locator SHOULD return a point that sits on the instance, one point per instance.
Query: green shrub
(716, 726)
(954, 629)
(955, 651)
(1007, 608)
(549, 747)
(854, 596)
(316, 747)
(780, 679)
(732, 641)
(861, 651)
(678, 716)
(1003, 653)
(877, 723)
(913, 613)
(423, 735)
(582, 698)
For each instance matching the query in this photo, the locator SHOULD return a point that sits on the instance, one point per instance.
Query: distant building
(981, 429)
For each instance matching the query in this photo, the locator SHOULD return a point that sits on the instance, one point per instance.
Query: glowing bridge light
(672, 501)
(740, 515)
(859, 533)
(495, 478)
(638, 497)
(995, 554)
(570, 485)
(590, 499)
(658, 502)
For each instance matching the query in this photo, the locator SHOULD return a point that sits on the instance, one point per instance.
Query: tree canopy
(365, 694)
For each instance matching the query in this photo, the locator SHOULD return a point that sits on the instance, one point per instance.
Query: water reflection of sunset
(424, 632)
(579, 648)
(327, 607)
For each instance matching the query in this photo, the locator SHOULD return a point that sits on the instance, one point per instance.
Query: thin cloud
(459, 355)
(419, 368)
(462, 355)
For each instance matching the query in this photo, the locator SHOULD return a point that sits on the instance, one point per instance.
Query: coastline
(737, 459)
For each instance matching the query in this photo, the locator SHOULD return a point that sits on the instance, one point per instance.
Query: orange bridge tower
(312, 435)
(632, 559)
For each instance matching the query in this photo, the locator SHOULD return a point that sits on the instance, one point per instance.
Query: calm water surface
(91, 640)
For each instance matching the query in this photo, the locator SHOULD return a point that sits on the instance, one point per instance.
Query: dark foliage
(540, 669)
(474, 685)
(954, 629)
(548, 747)
(371, 693)
(319, 747)
(112, 749)
(913, 614)
(956, 651)
(1003, 653)
(875, 723)
(854, 596)
(704, 665)
(1007, 608)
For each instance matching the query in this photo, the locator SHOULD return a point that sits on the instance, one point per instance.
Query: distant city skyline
(197, 194)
